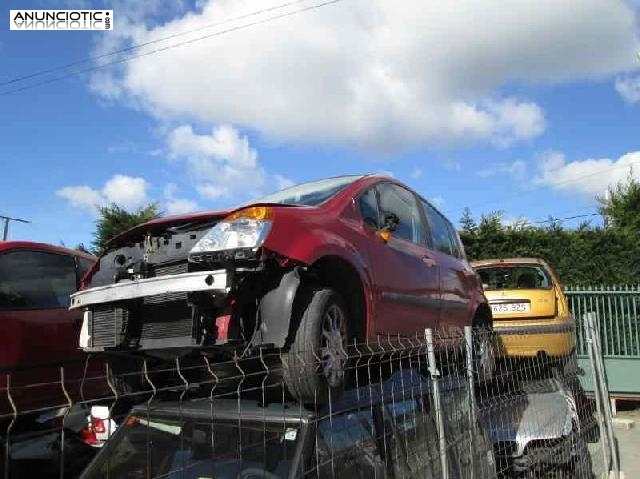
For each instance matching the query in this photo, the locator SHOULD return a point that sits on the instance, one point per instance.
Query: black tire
(315, 367)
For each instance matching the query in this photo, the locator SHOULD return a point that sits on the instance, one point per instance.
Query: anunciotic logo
(61, 19)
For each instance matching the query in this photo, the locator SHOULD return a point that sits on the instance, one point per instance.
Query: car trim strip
(178, 283)
(410, 299)
(425, 301)
(535, 329)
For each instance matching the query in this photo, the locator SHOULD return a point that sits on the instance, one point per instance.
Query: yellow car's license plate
(508, 308)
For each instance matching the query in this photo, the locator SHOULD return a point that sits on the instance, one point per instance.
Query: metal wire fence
(432, 406)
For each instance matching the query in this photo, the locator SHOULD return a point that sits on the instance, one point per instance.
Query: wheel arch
(337, 273)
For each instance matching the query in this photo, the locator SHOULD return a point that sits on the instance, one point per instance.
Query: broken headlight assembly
(243, 230)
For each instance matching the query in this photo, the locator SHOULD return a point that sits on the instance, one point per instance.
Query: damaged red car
(309, 269)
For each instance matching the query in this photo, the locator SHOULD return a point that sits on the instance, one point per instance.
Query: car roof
(498, 261)
(32, 245)
(228, 409)
(402, 385)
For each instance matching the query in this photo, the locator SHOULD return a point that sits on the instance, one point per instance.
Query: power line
(553, 219)
(169, 47)
(144, 44)
(566, 182)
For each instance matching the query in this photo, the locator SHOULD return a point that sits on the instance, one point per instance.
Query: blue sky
(531, 110)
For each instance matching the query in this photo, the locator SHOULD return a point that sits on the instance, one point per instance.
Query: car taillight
(98, 425)
(90, 433)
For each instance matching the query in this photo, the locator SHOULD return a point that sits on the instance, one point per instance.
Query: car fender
(306, 249)
(310, 243)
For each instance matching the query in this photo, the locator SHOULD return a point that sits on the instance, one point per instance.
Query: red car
(39, 332)
(309, 269)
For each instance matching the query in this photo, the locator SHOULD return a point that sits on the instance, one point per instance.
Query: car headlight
(246, 228)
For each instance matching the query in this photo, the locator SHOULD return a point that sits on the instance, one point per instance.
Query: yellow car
(530, 311)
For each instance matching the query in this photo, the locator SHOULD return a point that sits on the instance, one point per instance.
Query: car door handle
(428, 262)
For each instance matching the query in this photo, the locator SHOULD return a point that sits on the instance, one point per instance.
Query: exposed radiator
(108, 326)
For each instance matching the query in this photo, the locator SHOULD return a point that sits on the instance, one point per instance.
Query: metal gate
(617, 310)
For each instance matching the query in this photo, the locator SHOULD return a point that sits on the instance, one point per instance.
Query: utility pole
(6, 219)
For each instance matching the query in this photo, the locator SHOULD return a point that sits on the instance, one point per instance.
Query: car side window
(347, 447)
(455, 242)
(440, 237)
(415, 429)
(36, 280)
(368, 204)
(402, 203)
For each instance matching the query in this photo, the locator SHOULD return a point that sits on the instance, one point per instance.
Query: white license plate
(507, 308)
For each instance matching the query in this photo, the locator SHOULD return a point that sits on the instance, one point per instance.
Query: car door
(455, 273)
(405, 273)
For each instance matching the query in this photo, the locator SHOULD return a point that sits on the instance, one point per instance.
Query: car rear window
(36, 280)
(514, 277)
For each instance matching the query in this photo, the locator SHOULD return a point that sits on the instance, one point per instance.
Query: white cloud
(589, 177)
(416, 173)
(221, 164)
(174, 205)
(437, 200)
(126, 191)
(629, 88)
(517, 169)
(376, 73)
(180, 206)
(82, 197)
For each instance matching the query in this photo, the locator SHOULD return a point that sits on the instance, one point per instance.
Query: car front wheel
(316, 364)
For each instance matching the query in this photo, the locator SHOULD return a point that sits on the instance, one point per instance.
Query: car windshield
(514, 277)
(309, 194)
(192, 449)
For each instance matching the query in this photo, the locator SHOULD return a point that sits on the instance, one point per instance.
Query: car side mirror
(389, 225)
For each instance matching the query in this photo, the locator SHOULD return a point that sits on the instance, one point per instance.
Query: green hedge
(583, 256)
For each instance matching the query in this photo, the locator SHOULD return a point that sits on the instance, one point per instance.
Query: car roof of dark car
(32, 245)
(402, 385)
(227, 409)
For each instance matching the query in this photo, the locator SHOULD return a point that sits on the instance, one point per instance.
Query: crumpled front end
(195, 284)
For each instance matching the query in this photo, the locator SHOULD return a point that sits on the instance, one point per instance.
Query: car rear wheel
(315, 366)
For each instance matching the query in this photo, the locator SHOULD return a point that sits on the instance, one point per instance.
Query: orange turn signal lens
(253, 213)
(385, 235)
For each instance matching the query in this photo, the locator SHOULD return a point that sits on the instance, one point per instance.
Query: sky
(531, 109)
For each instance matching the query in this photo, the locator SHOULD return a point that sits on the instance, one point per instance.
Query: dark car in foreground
(386, 431)
(309, 269)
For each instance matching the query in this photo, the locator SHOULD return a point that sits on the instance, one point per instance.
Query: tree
(113, 220)
(622, 204)
(467, 222)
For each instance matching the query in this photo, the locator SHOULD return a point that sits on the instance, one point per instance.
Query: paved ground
(629, 445)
